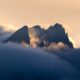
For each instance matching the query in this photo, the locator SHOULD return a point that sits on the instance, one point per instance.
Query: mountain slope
(19, 36)
(55, 34)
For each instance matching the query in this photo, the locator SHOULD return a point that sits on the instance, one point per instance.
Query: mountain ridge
(54, 34)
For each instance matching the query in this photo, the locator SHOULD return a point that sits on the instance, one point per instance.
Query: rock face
(20, 36)
(53, 34)
(57, 34)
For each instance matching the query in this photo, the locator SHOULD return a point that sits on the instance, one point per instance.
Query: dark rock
(57, 34)
(19, 36)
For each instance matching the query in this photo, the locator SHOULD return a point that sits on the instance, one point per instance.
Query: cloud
(6, 31)
(5, 36)
(72, 56)
(20, 63)
(54, 47)
(7, 28)
(53, 62)
(1, 30)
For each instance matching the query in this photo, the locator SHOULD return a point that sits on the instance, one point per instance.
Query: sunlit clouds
(9, 27)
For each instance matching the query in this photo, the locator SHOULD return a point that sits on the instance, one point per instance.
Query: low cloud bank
(20, 63)
(4, 34)
(4, 30)
(70, 55)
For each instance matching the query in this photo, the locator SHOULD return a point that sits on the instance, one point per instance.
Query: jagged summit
(54, 34)
(20, 36)
(57, 34)
(56, 27)
(24, 27)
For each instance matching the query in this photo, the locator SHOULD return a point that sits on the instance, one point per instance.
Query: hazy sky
(43, 12)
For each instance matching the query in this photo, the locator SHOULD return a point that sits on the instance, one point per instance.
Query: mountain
(54, 34)
(20, 36)
(57, 34)
(40, 37)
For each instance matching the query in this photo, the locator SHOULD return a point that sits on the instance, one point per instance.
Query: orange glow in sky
(43, 12)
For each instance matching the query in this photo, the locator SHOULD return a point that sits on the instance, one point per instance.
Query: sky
(43, 12)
